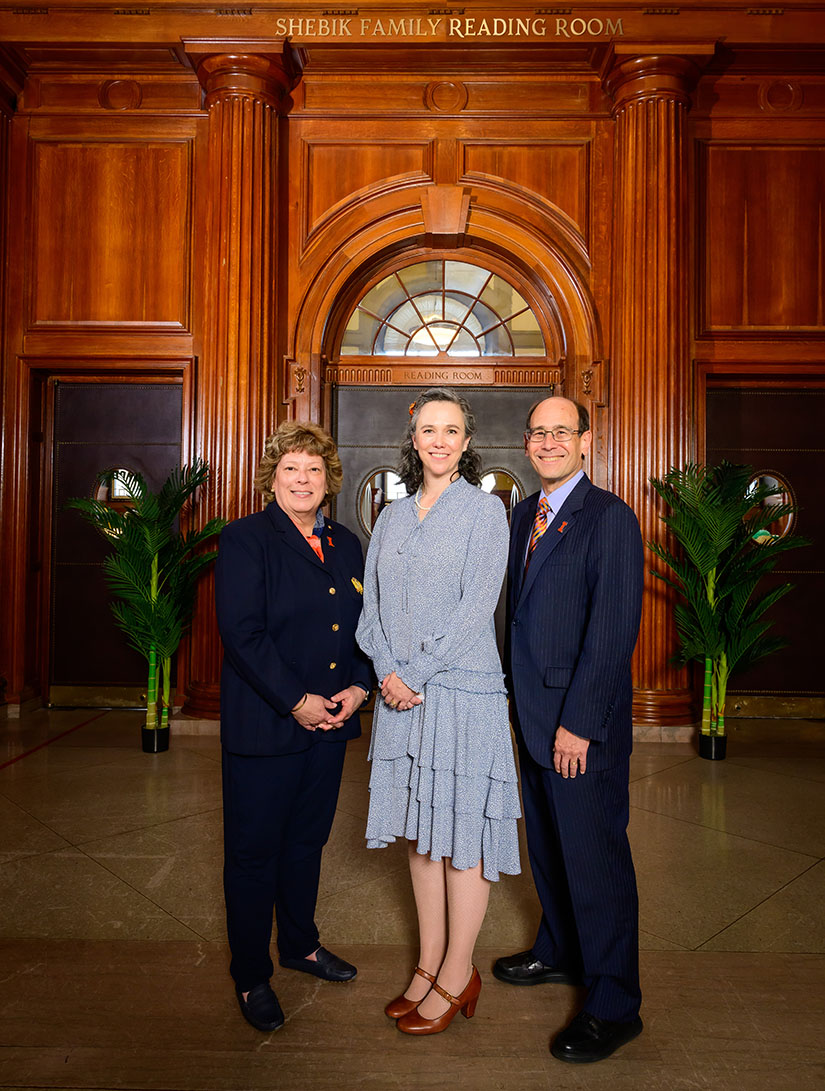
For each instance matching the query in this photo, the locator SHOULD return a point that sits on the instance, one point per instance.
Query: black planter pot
(154, 740)
(712, 747)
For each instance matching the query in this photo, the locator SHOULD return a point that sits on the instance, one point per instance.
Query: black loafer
(525, 969)
(588, 1039)
(261, 1007)
(326, 965)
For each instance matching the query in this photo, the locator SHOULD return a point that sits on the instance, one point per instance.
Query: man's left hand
(569, 753)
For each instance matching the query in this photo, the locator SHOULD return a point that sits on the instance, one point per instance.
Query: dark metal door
(779, 433)
(99, 426)
(369, 422)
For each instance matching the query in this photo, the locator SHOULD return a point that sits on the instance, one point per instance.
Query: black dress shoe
(588, 1039)
(326, 965)
(525, 969)
(261, 1007)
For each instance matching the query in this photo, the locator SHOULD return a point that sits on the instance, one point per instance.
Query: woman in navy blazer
(288, 597)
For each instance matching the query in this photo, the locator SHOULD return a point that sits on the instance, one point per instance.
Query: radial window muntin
(443, 308)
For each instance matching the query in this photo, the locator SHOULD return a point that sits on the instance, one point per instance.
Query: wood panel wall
(125, 183)
(10, 83)
(95, 200)
(105, 236)
(759, 161)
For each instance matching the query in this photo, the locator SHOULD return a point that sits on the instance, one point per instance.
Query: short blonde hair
(291, 436)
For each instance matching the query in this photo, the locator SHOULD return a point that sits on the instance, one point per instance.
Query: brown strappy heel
(401, 1005)
(415, 1023)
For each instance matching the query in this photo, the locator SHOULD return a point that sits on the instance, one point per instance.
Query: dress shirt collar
(558, 496)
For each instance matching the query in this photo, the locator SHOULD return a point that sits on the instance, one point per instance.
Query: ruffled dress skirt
(443, 775)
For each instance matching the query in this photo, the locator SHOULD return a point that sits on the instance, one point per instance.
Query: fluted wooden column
(652, 414)
(235, 380)
(12, 546)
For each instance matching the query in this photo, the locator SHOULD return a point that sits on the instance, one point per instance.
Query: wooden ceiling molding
(633, 72)
(56, 57)
(415, 26)
(266, 70)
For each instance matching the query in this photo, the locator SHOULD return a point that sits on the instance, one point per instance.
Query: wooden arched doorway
(435, 318)
(526, 240)
(522, 242)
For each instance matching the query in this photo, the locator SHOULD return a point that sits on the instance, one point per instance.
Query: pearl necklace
(419, 505)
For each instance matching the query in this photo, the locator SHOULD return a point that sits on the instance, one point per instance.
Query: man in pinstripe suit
(574, 604)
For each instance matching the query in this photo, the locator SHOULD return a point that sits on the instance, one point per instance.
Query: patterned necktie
(539, 527)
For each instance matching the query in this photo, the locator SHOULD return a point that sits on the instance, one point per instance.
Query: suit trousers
(277, 813)
(586, 883)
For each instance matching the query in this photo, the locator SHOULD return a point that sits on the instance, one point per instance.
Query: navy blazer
(573, 621)
(287, 622)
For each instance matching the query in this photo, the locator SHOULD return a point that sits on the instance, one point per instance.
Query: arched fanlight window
(444, 309)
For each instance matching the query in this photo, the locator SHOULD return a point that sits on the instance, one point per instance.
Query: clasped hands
(314, 712)
(398, 695)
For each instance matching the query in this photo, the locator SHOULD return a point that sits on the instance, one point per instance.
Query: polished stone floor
(113, 960)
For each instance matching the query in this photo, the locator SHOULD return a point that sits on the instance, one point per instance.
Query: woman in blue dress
(443, 774)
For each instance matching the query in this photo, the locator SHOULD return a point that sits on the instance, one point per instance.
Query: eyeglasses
(560, 435)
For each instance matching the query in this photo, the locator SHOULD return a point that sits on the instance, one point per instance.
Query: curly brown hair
(296, 435)
(410, 469)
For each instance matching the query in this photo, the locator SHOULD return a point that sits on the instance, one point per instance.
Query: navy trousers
(277, 815)
(586, 883)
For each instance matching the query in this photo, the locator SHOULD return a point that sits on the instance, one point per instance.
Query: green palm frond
(126, 579)
(108, 521)
(743, 613)
(179, 487)
(153, 566)
(748, 641)
(133, 483)
(765, 645)
(699, 632)
(714, 515)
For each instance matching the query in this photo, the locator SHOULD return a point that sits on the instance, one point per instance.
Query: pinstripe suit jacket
(573, 621)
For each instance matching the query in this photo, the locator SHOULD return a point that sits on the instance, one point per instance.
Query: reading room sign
(446, 26)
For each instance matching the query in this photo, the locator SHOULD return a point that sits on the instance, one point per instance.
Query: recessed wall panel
(337, 170)
(554, 171)
(110, 240)
(763, 232)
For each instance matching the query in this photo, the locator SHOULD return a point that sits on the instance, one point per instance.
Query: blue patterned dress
(443, 773)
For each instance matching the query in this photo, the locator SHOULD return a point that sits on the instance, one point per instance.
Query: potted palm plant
(721, 518)
(152, 570)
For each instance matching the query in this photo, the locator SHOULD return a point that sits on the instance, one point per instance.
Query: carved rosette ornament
(444, 97)
(120, 95)
(236, 383)
(652, 414)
